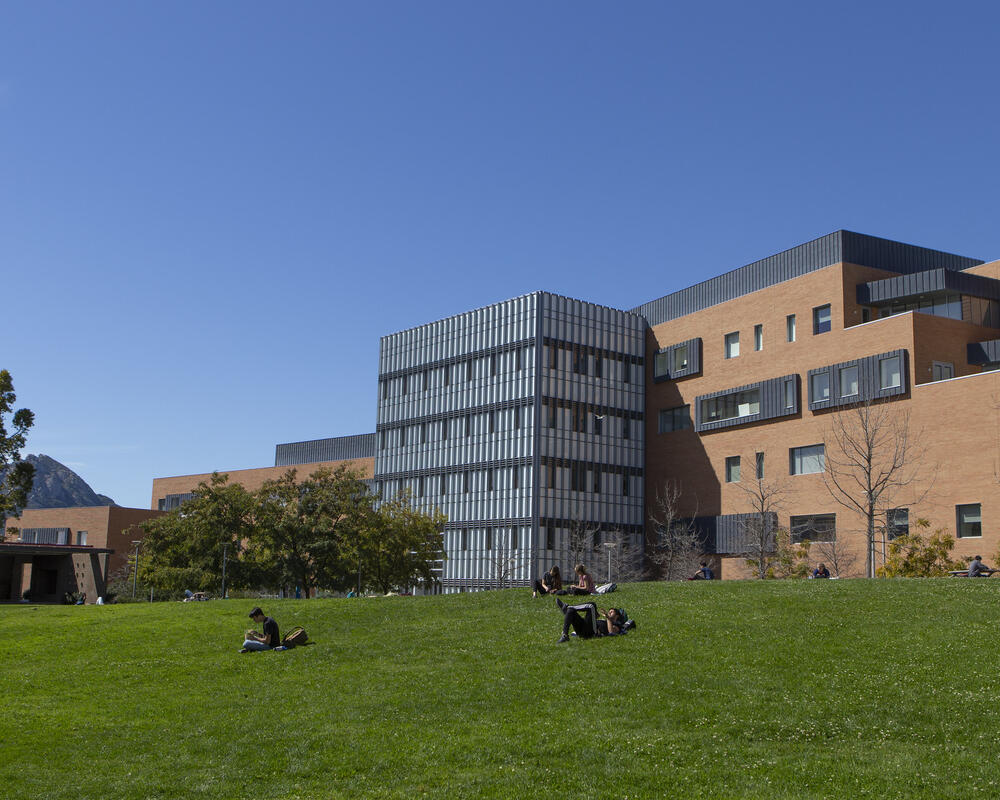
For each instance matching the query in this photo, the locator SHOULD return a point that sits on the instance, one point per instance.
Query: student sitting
(550, 582)
(704, 573)
(267, 640)
(821, 572)
(585, 584)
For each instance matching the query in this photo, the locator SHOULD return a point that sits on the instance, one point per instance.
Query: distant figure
(266, 640)
(585, 584)
(351, 593)
(704, 573)
(100, 600)
(549, 583)
(977, 569)
(585, 620)
(821, 571)
(82, 600)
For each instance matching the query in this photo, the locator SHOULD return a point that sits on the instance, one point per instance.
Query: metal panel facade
(335, 449)
(777, 397)
(866, 373)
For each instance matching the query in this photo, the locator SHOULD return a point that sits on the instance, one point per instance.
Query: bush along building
(549, 430)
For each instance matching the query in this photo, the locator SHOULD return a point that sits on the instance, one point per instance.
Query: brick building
(541, 416)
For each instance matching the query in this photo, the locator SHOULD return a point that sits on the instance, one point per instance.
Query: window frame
(977, 523)
(821, 324)
(731, 345)
(797, 456)
(732, 473)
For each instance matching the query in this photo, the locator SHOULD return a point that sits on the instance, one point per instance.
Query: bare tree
(582, 540)
(760, 526)
(675, 547)
(624, 557)
(871, 459)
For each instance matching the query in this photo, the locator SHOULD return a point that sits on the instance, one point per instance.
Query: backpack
(295, 636)
(605, 588)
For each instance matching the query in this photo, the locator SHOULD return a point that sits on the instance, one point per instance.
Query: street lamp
(135, 566)
(225, 550)
(611, 546)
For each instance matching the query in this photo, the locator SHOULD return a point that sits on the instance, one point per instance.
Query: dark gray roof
(846, 246)
(934, 280)
(339, 448)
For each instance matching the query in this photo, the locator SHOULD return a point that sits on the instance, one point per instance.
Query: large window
(674, 419)
(848, 381)
(813, 528)
(806, 460)
(732, 344)
(970, 520)
(889, 372)
(819, 387)
(897, 522)
(730, 406)
(942, 370)
(821, 319)
(733, 469)
(661, 364)
(943, 305)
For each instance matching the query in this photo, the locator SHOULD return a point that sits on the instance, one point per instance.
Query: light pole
(135, 566)
(225, 550)
(611, 546)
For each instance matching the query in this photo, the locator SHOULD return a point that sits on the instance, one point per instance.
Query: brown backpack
(295, 636)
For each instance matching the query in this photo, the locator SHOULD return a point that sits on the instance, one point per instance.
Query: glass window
(897, 522)
(848, 381)
(806, 460)
(661, 365)
(942, 370)
(732, 469)
(673, 419)
(680, 358)
(821, 319)
(819, 387)
(732, 344)
(790, 393)
(970, 520)
(730, 406)
(760, 466)
(758, 337)
(790, 327)
(889, 370)
(813, 528)
(81, 538)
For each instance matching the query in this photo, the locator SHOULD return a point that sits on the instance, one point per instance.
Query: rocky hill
(57, 486)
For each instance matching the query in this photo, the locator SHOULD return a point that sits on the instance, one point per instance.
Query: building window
(553, 411)
(897, 522)
(489, 480)
(402, 436)
(848, 381)
(427, 378)
(550, 538)
(813, 528)
(732, 344)
(465, 539)
(625, 487)
(821, 319)
(420, 486)
(598, 424)
(81, 538)
(733, 469)
(661, 365)
(381, 440)
(674, 419)
(469, 370)
(626, 370)
(466, 481)
(553, 357)
(970, 520)
(515, 477)
(447, 375)
(406, 386)
(819, 387)
(517, 419)
(423, 433)
(790, 393)
(444, 430)
(889, 371)
(758, 337)
(730, 406)
(627, 428)
(489, 539)
(491, 420)
(444, 485)
(598, 367)
(942, 370)
(790, 327)
(468, 425)
(580, 361)
(596, 475)
(680, 358)
(806, 460)
(760, 466)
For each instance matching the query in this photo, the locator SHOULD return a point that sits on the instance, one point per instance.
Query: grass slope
(732, 690)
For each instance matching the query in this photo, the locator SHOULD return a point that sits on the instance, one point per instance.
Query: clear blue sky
(211, 211)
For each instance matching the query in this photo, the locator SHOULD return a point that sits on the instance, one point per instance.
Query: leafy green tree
(920, 555)
(309, 532)
(184, 549)
(16, 476)
(401, 545)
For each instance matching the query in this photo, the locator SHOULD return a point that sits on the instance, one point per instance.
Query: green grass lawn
(797, 689)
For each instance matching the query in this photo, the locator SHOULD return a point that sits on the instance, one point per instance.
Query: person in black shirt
(585, 620)
(268, 639)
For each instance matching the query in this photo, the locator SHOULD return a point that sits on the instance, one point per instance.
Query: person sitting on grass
(549, 583)
(267, 640)
(586, 620)
(585, 584)
(704, 573)
(821, 571)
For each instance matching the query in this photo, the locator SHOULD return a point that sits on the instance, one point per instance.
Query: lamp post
(135, 566)
(225, 551)
(611, 546)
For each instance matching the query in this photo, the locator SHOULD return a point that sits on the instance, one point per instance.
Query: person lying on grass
(586, 620)
(267, 640)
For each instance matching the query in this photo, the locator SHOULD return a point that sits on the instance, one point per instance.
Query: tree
(402, 545)
(185, 548)
(675, 547)
(624, 556)
(870, 458)
(835, 555)
(16, 476)
(582, 540)
(309, 533)
(765, 547)
(919, 555)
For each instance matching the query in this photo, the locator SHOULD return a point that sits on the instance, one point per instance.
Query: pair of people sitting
(551, 582)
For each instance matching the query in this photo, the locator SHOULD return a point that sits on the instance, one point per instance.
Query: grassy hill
(732, 690)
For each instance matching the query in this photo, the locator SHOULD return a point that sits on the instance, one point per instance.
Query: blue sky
(211, 211)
